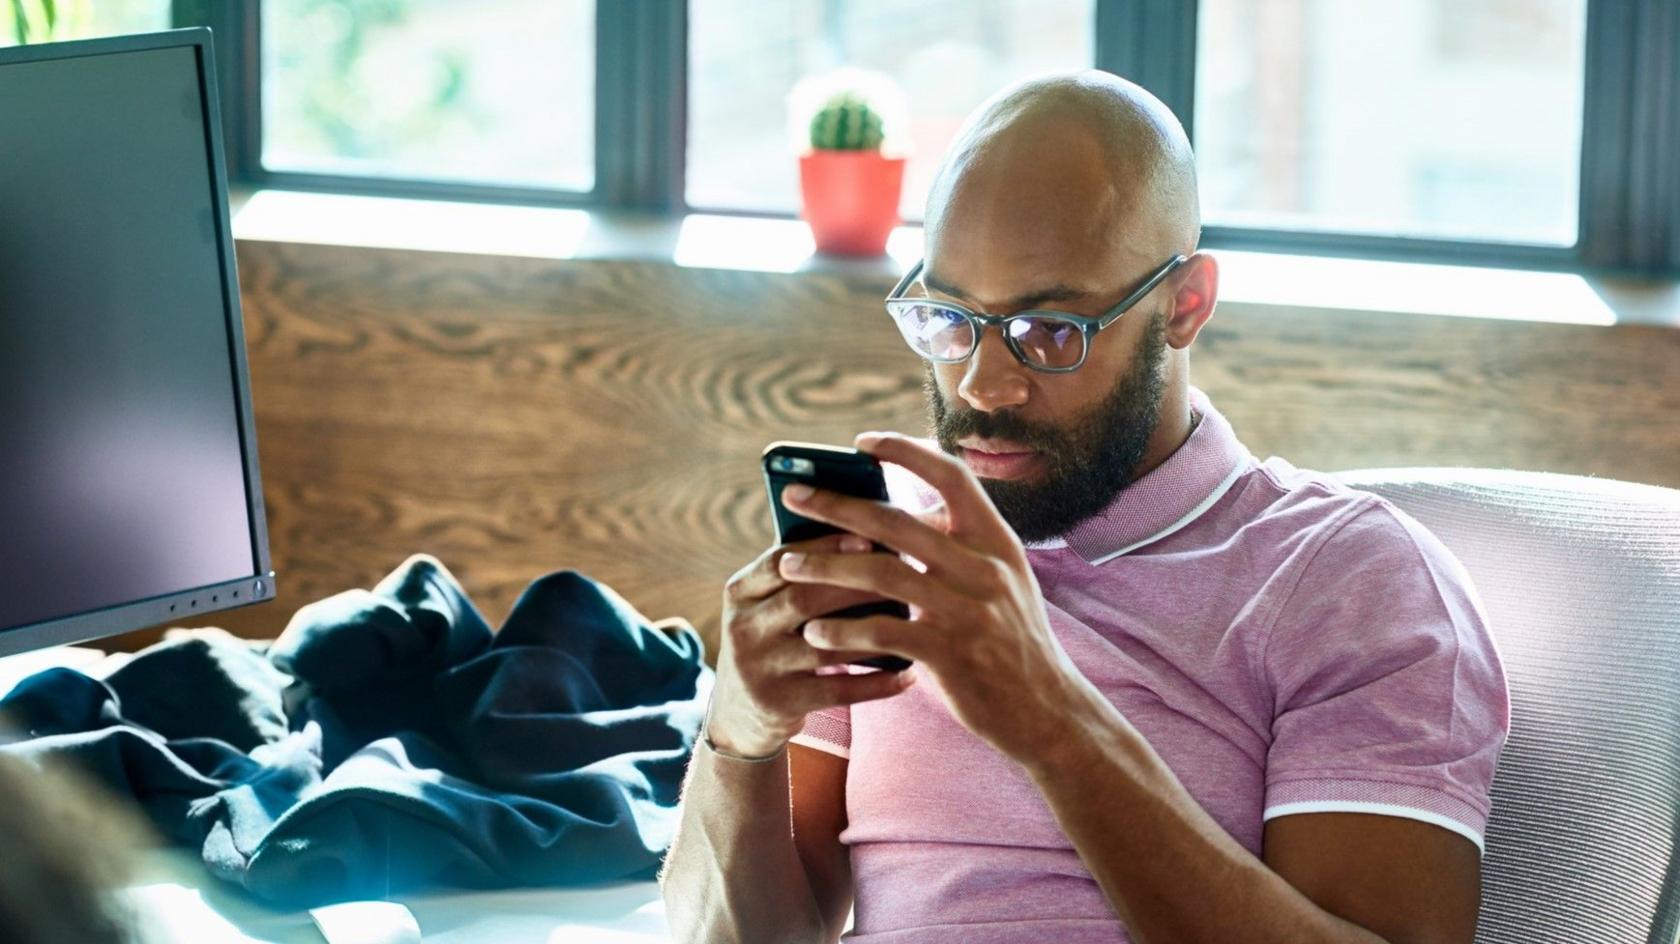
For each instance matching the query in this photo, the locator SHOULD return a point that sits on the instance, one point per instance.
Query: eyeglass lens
(945, 334)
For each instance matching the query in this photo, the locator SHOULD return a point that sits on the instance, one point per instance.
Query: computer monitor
(129, 493)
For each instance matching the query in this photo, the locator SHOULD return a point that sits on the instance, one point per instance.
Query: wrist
(736, 744)
(730, 753)
(1085, 725)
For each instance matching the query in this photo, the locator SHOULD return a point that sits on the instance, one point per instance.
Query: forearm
(1170, 871)
(733, 872)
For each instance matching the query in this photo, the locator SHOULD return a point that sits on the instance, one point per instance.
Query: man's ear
(1198, 290)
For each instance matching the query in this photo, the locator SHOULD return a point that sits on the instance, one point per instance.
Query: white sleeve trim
(1381, 809)
(827, 747)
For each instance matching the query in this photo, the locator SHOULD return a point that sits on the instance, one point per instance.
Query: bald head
(1082, 162)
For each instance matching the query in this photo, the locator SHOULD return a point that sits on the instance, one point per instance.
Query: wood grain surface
(515, 416)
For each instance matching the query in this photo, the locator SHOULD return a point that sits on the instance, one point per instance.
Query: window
(947, 56)
(1447, 119)
(51, 20)
(1502, 132)
(496, 91)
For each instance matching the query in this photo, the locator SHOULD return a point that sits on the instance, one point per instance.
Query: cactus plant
(846, 122)
(850, 177)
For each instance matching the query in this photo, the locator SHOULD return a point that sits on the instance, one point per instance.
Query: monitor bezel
(230, 594)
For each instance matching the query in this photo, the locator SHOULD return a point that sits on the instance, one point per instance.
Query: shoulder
(1353, 530)
(1362, 572)
(1378, 593)
(1282, 517)
(1325, 516)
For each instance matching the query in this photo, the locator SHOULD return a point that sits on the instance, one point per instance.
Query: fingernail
(867, 441)
(792, 561)
(796, 492)
(852, 544)
(816, 632)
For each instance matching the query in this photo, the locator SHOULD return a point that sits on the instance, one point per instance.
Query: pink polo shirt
(1287, 644)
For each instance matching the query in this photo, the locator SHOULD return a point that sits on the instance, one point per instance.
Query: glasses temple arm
(909, 277)
(1142, 290)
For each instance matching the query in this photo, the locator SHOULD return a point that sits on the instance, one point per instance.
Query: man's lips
(994, 446)
(997, 460)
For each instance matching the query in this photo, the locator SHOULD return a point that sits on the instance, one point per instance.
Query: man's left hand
(978, 621)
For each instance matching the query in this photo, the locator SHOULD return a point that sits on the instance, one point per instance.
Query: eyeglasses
(1051, 341)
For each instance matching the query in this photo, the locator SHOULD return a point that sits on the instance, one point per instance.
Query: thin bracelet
(706, 738)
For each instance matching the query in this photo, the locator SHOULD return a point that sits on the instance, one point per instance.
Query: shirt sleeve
(1389, 696)
(828, 729)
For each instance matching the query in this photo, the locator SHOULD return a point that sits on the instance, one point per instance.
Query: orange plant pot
(851, 199)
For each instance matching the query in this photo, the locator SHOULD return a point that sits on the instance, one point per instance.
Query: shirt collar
(1168, 497)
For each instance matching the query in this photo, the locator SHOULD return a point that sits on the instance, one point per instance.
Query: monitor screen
(128, 481)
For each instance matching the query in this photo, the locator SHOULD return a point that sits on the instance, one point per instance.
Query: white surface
(184, 903)
(366, 922)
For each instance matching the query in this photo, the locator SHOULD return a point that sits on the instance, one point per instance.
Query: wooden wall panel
(514, 416)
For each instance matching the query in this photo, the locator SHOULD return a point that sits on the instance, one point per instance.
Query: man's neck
(1178, 421)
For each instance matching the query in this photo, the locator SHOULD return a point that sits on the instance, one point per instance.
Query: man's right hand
(766, 681)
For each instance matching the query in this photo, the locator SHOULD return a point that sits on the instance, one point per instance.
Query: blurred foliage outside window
(745, 56)
(42, 21)
(496, 91)
(1449, 119)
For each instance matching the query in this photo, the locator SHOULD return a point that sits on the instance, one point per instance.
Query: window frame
(1629, 212)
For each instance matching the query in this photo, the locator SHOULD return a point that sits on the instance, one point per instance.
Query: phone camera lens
(793, 465)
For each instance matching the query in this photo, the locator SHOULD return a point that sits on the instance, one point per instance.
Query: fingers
(786, 611)
(767, 679)
(968, 505)
(761, 578)
(825, 691)
(759, 633)
(882, 523)
(873, 634)
(783, 674)
(797, 657)
(885, 574)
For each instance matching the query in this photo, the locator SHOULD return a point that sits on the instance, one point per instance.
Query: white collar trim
(1189, 516)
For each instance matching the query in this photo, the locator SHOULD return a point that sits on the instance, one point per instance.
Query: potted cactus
(849, 184)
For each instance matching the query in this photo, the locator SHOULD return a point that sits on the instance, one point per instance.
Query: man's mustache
(952, 425)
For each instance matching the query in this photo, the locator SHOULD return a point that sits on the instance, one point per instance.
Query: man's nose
(994, 378)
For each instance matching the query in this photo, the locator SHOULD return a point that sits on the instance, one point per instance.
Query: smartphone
(838, 469)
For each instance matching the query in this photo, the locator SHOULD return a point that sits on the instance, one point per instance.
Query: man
(1208, 699)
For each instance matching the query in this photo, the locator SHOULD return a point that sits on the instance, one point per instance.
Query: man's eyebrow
(1052, 293)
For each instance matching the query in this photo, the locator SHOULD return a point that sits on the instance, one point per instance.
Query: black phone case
(848, 472)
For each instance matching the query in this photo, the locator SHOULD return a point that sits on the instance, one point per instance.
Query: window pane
(946, 55)
(496, 91)
(82, 19)
(1456, 119)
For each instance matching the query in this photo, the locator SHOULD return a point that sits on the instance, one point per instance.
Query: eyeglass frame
(1087, 325)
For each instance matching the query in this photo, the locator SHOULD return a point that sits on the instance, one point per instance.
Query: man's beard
(1085, 463)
